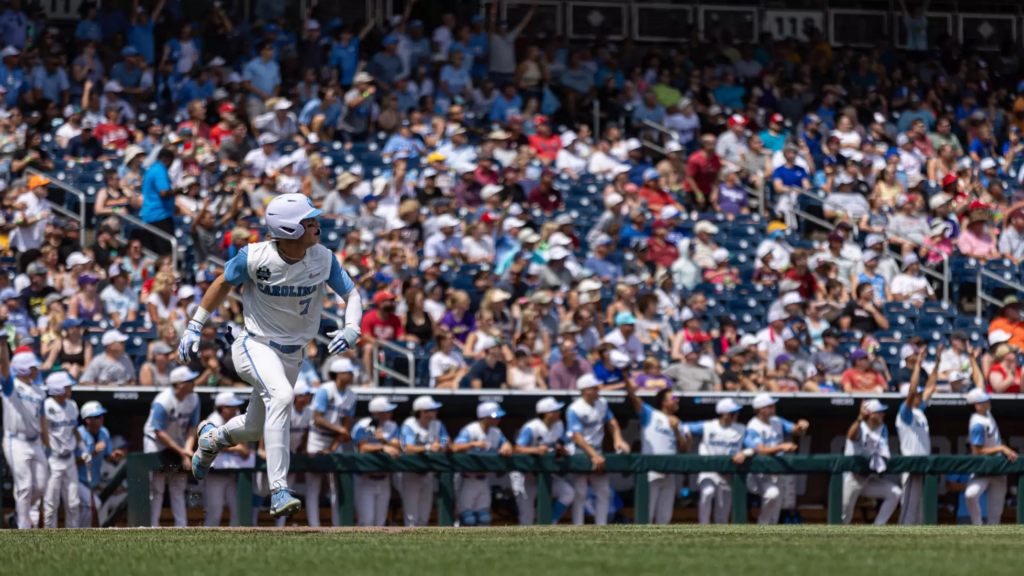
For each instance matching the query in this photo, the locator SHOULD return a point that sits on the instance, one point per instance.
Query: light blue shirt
(141, 37)
(89, 30)
(345, 57)
(155, 207)
(14, 82)
(14, 28)
(264, 76)
(96, 466)
(316, 106)
(51, 85)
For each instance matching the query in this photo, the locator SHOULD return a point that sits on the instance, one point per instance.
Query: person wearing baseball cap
(862, 376)
(113, 366)
(480, 437)
(98, 448)
(913, 430)
(542, 435)
(587, 418)
(220, 487)
(61, 415)
(721, 436)
(775, 135)
(662, 433)
(378, 432)
(766, 436)
(170, 431)
(986, 440)
(331, 419)
(910, 285)
(421, 433)
(869, 436)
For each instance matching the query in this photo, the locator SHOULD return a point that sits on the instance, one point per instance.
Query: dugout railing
(140, 466)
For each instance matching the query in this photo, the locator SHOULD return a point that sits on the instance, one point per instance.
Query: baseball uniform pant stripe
(62, 484)
(995, 486)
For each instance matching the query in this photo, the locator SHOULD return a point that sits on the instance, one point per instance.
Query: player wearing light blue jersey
(545, 434)
(766, 436)
(61, 413)
(720, 437)
(986, 441)
(170, 431)
(283, 297)
(376, 433)
(24, 433)
(334, 410)
(869, 436)
(421, 433)
(662, 433)
(481, 437)
(912, 427)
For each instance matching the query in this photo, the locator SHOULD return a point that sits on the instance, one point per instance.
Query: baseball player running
(299, 423)
(221, 488)
(720, 437)
(171, 432)
(334, 408)
(662, 434)
(96, 439)
(912, 427)
(421, 433)
(375, 433)
(765, 435)
(587, 418)
(282, 299)
(473, 497)
(986, 441)
(61, 415)
(24, 432)
(869, 436)
(545, 434)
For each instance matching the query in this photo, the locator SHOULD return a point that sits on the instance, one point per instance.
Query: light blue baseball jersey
(474, 432)
(90, 441)
(171, 416)
(588, 420)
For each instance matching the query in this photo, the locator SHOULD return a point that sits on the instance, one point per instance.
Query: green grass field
(811, 550)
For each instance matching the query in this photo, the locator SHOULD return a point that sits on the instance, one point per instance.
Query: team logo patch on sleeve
(263, 274)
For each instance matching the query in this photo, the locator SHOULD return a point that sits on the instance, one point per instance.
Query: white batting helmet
(285, 213)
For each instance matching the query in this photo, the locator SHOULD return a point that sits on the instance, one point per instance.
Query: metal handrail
(379, 368)
(985, 273)
(67, 188)
(154, 230)
(658, 127)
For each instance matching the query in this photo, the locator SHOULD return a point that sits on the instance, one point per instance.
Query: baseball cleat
(202, 459)
(284, 503)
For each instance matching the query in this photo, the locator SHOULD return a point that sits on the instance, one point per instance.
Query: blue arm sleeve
(445, 439)
(751, 439)
(977, 435)
(885, 432)
(787, 426)
(503, 438)
(7, 385)
(194, 420)
(408, 437)
(236, 271)
(320, 401)
(607, 416)
(339, 280)
(695, 428)
(906, 414)
(463, 437)
(525, 436)
(359, 434)
(645, 414)
(575, 425)
(105, 437)
(159, 419)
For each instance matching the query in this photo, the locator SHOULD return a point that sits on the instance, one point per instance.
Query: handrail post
(244, 492)
(930, 497)
(544, 516)
(739, 498)
(377, 369)
(979, 297)
(641, 498)
(138, 490)
(835, 498)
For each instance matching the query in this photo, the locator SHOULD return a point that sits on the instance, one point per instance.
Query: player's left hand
(342, 340)
(622, 447)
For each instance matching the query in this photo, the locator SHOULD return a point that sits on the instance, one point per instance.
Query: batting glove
(344, 339)
(189, 341)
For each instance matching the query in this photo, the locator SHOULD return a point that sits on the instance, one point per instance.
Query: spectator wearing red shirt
(111, 134)
(485, 174)
(862, 377)
(659, 250)
(545, 196)
(656, 196)
(380, 324)
(544, 143)
(223, 128)
(1004, 376)
(799, 272)
(702, 168)
(196, 120)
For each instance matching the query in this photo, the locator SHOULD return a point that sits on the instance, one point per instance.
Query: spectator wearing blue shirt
(403, 144)
(262, 77)
(328, 104)
(51, 82)
(128, 72)
(609, 375)
(88, 28)
(603, 268)
(158, 202)
(140, 33)
(344, 57)
(85, 147)
(788, 180)
(12, 78)
(86, 67)
(508, 104)
(184, 50)
(916, 113)
(198, 86)
(14, 25)
(967, 106)
(453, 82)
(651, 111)
(419, 45)
(728, 94)
(112, 22)
(637, 163)
(386, 66)
(984, 144)
(479, 47)
(774, 137)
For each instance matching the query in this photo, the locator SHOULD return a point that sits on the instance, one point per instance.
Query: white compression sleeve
(354, 309)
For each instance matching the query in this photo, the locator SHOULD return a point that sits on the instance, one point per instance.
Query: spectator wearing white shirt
(266, 158)
(447, 366)
(568, 161)
(444, 245)
(770, 344)
(955, 362)
(442, 37)
(34, 217)
(910, 285)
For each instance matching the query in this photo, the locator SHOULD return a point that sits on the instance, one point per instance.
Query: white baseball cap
(425, 403)
(558, 253)
(112, 336)
(977, 395)
(57, 382)
(705, 226)
(874, 405)
(618, 359)
(186, 292)
(762, 400)
(301, 389)
(447, 221)
(907, 350)
(381, 404)
(490, 190)
(76, 258)
(179, 374)
(587, 381)
(669, 212)
(727, 405)
(998, 337)
(792, 298)
(987, 164)
(92, 409)
(512, 222)
(559, 239)
(688, 348)
(227, 399)
(548, 404)
(341, 366)
(589, 285)
(775, 316)
(23, 362)
(489, 410)
(613, 199)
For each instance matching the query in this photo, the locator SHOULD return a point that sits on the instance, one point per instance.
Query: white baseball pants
(473, 493)
(767, 487)
(661, 497)
(314, 482)
(872, 486)
(218, 490)
(372, 498)
(911, 503)
(28, 465)
(417, 497)
(272, 375)
(85, 496)
(159, 482)
(715, 491)
(602, 492)
(524, 487)
(63, 483)
(996, 488)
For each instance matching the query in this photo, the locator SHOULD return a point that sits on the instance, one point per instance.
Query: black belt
(376, 476)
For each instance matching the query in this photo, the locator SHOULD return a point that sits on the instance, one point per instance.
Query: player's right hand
(189, 342)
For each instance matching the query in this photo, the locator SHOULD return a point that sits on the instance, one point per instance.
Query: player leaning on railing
(282, 298)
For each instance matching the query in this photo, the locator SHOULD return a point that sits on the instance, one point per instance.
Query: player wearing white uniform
(587, 418)
(61, 415)
(869, 436)
(375, 433)
(283, 297)
(421, 433)
(96, 439)
(334, 406)
(662, 433)
(912, 427)
(299, 423)
(24, 433)
(986, 441)
(221, 488)
(765, 436)
(545, 434)
(720, 437)
(170, 431)
(473, 496)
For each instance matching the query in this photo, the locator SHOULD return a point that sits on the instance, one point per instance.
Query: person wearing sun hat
(721, 436)
(986, 440)
(869, 436)
(975, 240)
